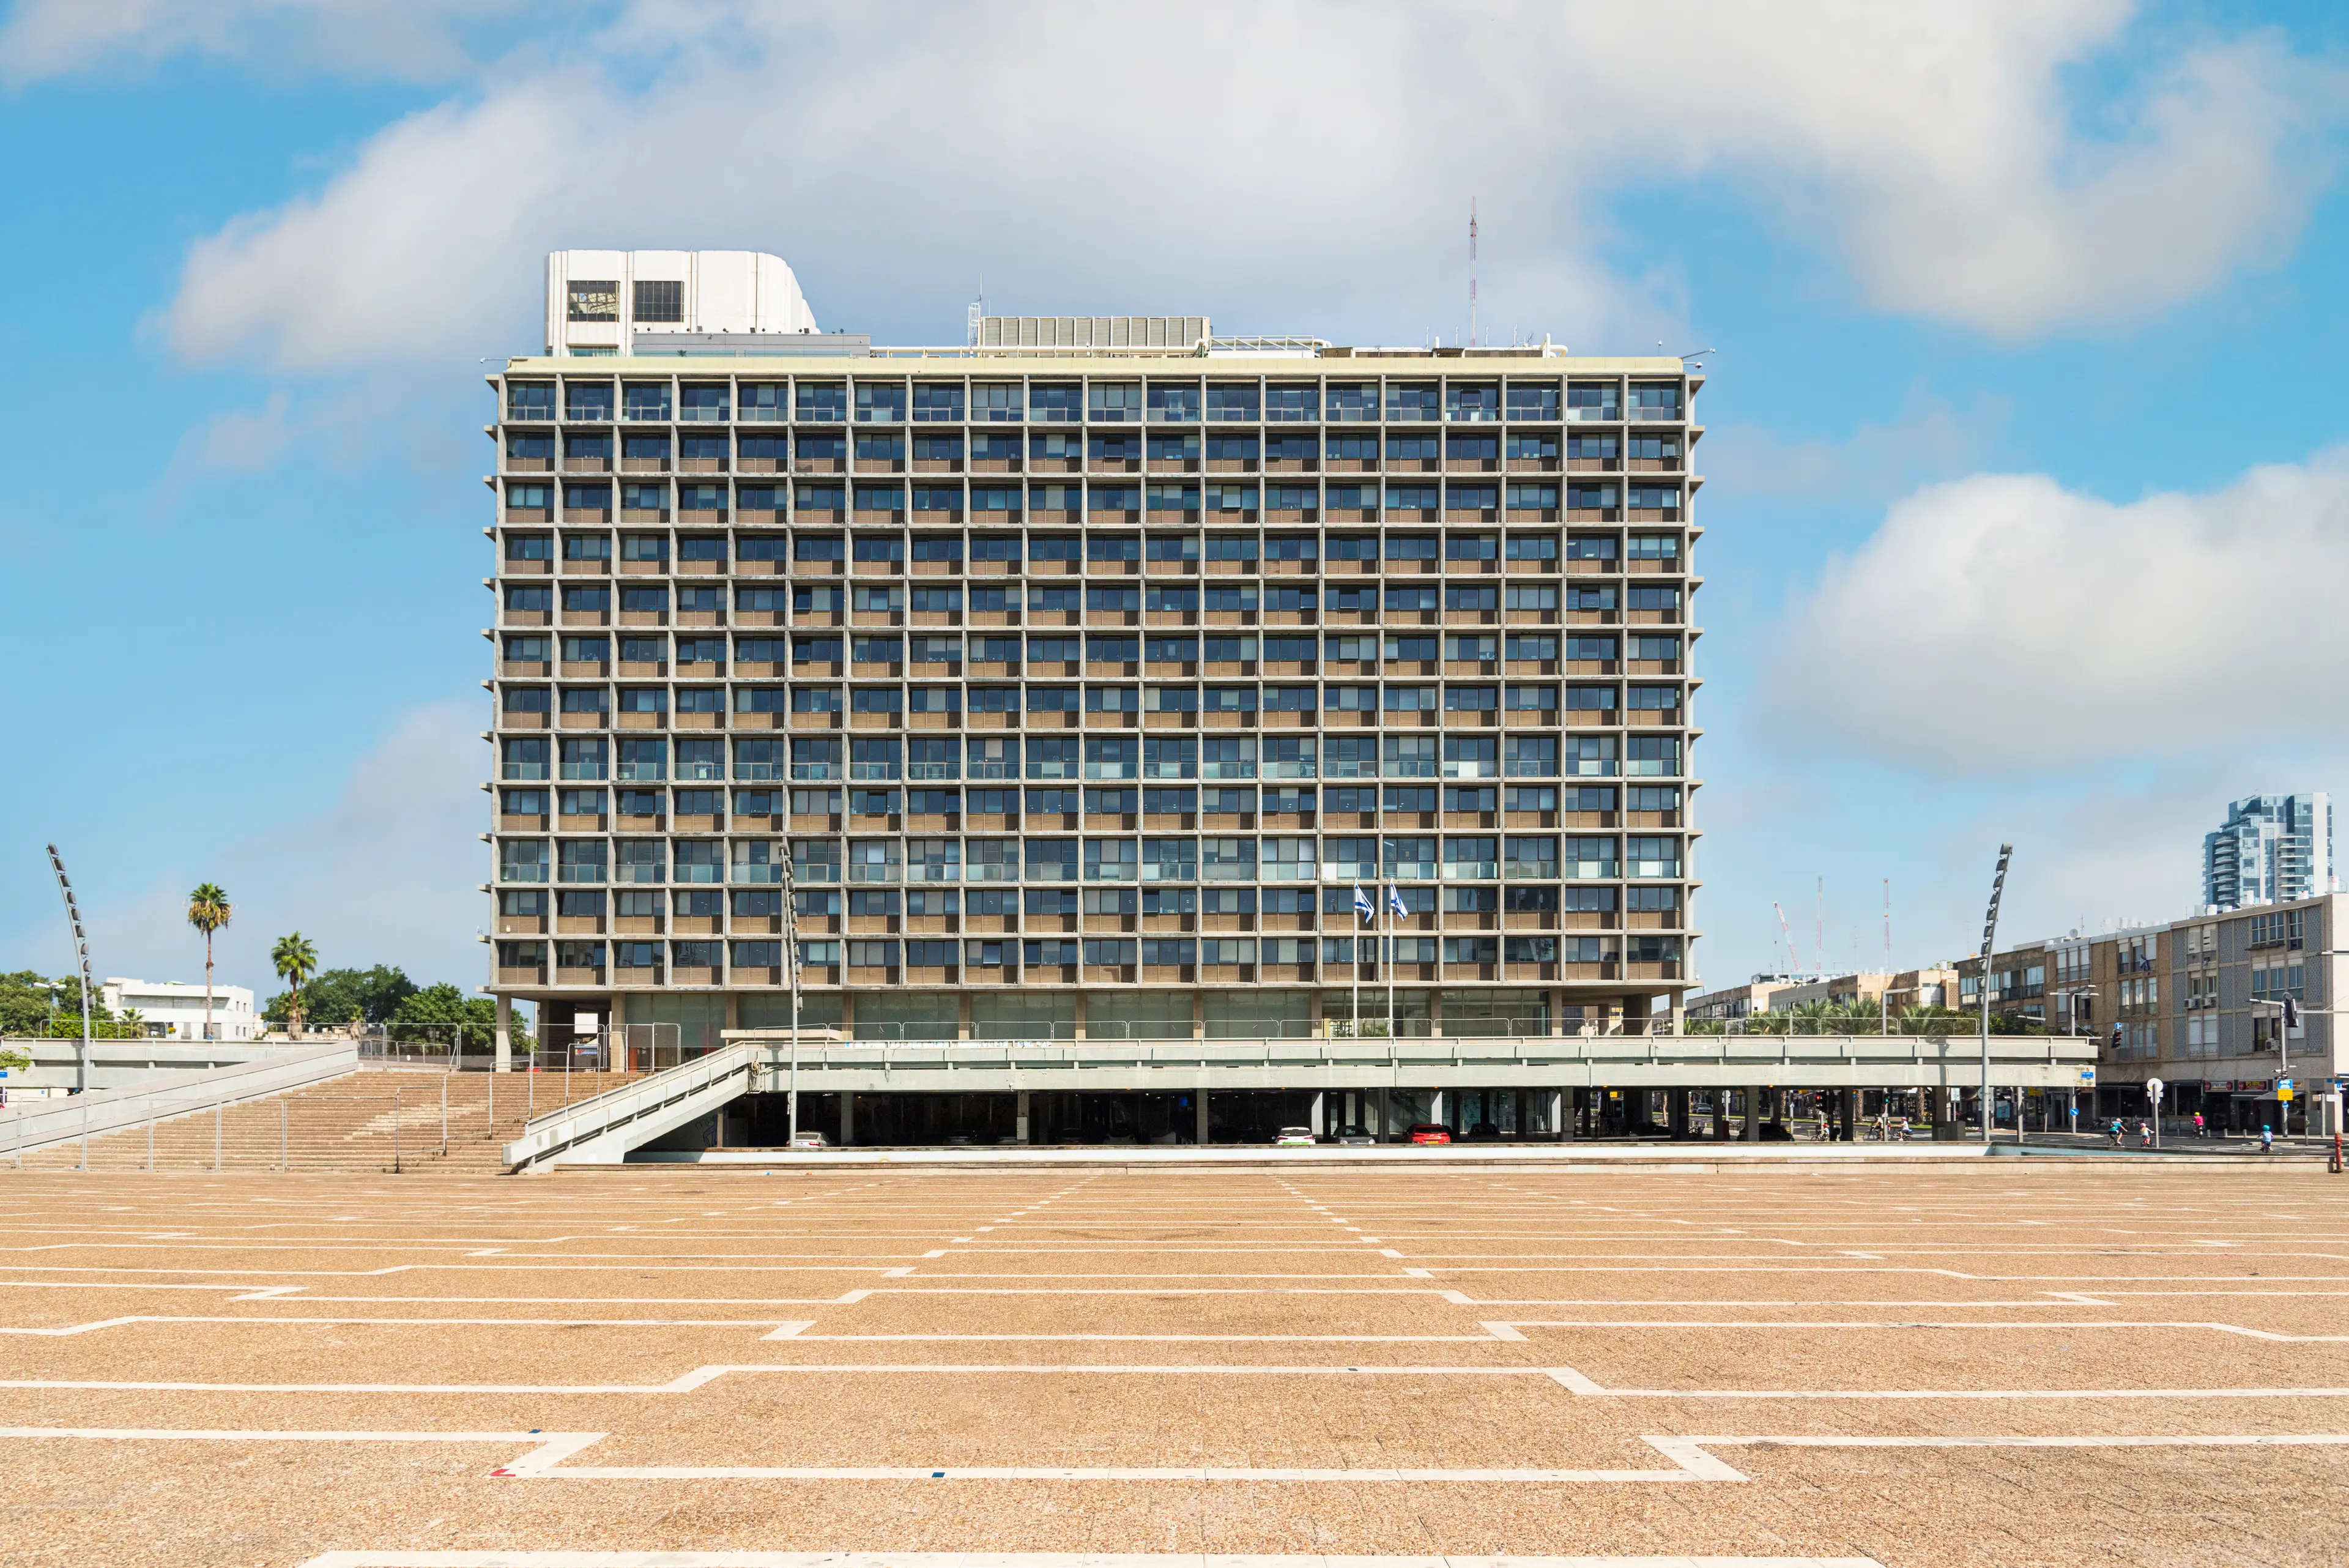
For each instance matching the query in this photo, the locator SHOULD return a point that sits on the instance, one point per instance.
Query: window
(1651, 856)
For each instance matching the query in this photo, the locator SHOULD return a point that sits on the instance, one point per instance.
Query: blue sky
(2024, 513)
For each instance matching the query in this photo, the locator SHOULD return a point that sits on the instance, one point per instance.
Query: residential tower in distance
(2272, 849)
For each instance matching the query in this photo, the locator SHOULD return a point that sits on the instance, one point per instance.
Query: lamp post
(2071, 1000)
(792, 957)
(2287, 1015)
(81, 952)
(1884, 1013)
(1990, 939)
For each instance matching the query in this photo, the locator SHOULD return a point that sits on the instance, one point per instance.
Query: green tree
(208, 911)
(1816, 1018)
(335, 997)
(26, 1001)
(295, 960)
(1931, 1019)
(441, 1014)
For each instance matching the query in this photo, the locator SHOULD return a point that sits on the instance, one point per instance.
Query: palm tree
(297, 961)
(208, 912)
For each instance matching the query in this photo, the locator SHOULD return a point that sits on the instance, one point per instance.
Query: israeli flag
(1362, 903)
(1394, 900)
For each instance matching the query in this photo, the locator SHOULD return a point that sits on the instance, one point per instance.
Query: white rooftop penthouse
(597, 300)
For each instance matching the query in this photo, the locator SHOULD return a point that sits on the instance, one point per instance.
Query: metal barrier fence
(43, 1124)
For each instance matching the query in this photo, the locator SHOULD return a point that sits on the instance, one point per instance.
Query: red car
(1430, 1134)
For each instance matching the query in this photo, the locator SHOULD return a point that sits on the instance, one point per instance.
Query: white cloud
(2002, 623)
(409, 39)
(387, 873)
(1929, 440)
(1317, 161)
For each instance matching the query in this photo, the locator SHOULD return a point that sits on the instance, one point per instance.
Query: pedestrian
(2267, 1139)
(2113, 1132)
(1883, 1129)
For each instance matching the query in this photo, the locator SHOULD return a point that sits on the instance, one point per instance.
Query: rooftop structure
(597, 301)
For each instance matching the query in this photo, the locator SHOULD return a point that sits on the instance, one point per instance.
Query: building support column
(1199, 1031)
(505, 1034)
(1020, 1117)
(1753, 1093)
(1561, 1115)
(847, 1119)
(1314, 1121)
(962, 1015)
(1676, 1113)
(1847, 1108)
(1201, 1100)
(1720, 1127)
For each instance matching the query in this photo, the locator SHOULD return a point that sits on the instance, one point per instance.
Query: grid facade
(1083, 690)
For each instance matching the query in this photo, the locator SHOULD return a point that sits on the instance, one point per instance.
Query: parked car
(1353, 1135)
(1430, 1134)
(811, 1140)
(1293, 1138)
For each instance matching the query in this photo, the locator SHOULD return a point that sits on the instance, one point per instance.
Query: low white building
(174, 1009)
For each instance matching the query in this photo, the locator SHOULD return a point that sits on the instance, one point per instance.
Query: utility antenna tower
(1472, 272)
(1794, 959)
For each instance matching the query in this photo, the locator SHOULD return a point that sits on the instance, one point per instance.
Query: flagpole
(1384, 907)
(1354, 1013)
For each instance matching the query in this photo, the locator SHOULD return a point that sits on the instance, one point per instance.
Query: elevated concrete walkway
(606, 1128)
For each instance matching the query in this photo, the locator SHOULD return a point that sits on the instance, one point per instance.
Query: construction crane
(1794, 959)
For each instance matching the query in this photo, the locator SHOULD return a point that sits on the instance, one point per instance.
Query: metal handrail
(47, 1123)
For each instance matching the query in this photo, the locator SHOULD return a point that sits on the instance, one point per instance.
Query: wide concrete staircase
(365, 1121)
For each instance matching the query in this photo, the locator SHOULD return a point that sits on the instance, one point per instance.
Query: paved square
(1985, 1364)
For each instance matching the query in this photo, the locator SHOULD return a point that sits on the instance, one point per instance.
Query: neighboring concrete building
(2273, 849)
(2195, 1004)
(1934, 987)
(174, 1009)
(598, 301)
(1741, 1001)
(1084, 685)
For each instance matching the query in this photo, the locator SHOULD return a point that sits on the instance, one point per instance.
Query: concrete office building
(1930, 987)
(2272, 849)
(1737, 1001)
(1083, 671)
(2194, 1002)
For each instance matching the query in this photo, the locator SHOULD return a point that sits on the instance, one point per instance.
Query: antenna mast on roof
(1472, 272)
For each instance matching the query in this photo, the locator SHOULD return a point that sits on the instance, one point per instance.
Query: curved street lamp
(81, 950)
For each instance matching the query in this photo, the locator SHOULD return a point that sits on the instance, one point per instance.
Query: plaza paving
(1985, 1364)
